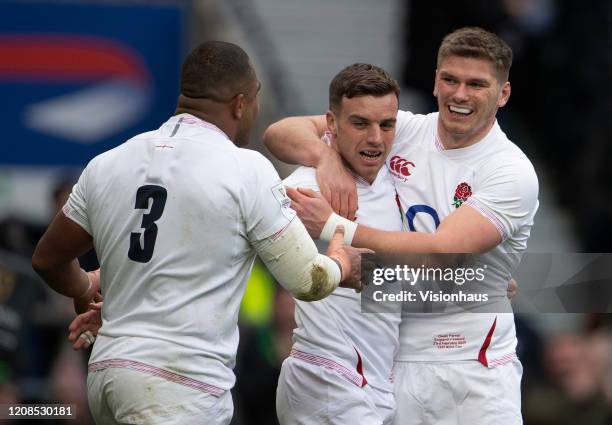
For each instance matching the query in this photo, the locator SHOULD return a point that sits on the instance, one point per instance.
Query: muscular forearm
(397, 242)
(463, 231)
(440, 242)
(428, 249)
(55, 257)
(68, 279)
(297, 140)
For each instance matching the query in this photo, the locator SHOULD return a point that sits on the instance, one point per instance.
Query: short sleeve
(305, 177)
(403, 125)
(76, 206)
(410, 131)
(507, 196)
(266, 206)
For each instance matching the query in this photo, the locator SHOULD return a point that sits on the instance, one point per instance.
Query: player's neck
(367, 177)
(370, 177)
(214, 117)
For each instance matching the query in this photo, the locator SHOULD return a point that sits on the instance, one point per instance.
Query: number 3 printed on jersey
(143, 253)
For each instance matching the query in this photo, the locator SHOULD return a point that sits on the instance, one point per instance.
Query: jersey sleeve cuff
(482, 209)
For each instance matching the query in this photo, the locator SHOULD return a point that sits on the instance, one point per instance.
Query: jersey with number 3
(495, 178)
(172, 213)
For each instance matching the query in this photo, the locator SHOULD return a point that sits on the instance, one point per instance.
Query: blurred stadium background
(79, 77)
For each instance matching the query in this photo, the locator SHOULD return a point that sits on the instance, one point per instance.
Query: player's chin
(458, 126)
(369, 169)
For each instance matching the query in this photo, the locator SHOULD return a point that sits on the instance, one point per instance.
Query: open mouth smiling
(460, 110)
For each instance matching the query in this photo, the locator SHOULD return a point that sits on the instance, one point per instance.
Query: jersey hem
(159, 372)
(510, 357)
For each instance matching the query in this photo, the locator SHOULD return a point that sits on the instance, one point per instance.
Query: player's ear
(504, 94)
(237, 106)
(331, 122)
(435, 91)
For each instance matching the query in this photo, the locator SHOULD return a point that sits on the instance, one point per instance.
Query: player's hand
(337, 185)
(512, 288)
(81, 304)
(312, 209)
(349, 258)
(84, 328)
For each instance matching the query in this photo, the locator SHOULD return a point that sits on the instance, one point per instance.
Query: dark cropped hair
(216, 70)
(360, 79)
(474, 42)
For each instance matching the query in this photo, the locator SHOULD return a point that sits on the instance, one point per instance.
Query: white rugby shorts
(120, 396)
(458, 393)
(309, 394)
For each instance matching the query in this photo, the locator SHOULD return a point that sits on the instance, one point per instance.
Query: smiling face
(469, 93)
(364, 128)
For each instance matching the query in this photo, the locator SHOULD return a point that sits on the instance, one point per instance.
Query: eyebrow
(480, 81)
(470, 80)
(359, 117)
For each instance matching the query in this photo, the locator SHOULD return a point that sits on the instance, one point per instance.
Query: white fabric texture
(504, 189)
(458, 393)
(174, 213)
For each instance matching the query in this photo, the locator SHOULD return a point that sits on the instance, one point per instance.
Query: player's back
(167, 212)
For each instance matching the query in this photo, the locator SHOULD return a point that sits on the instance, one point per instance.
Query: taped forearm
(295, 263)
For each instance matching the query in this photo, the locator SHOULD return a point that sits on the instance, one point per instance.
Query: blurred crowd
(37, 364)
(576, 386)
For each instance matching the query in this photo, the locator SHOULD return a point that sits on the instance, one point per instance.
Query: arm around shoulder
(297, 140)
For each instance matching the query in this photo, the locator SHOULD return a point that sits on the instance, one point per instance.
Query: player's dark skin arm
(55, 260)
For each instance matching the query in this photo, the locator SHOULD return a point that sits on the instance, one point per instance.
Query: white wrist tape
(350, 227)
(295, 263)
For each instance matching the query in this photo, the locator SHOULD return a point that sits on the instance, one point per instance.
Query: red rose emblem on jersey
(462, 193)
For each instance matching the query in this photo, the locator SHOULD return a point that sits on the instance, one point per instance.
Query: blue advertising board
(77, 79)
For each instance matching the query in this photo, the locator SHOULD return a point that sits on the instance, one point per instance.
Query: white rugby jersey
(172, 292)
(333, 332)
(498, 180)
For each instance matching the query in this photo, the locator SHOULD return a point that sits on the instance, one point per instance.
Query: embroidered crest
(462, 193)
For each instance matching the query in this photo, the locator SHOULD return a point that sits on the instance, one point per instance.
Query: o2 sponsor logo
(414, 210)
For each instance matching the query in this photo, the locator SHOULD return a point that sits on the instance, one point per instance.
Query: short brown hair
(360, 79)
(474, 42)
